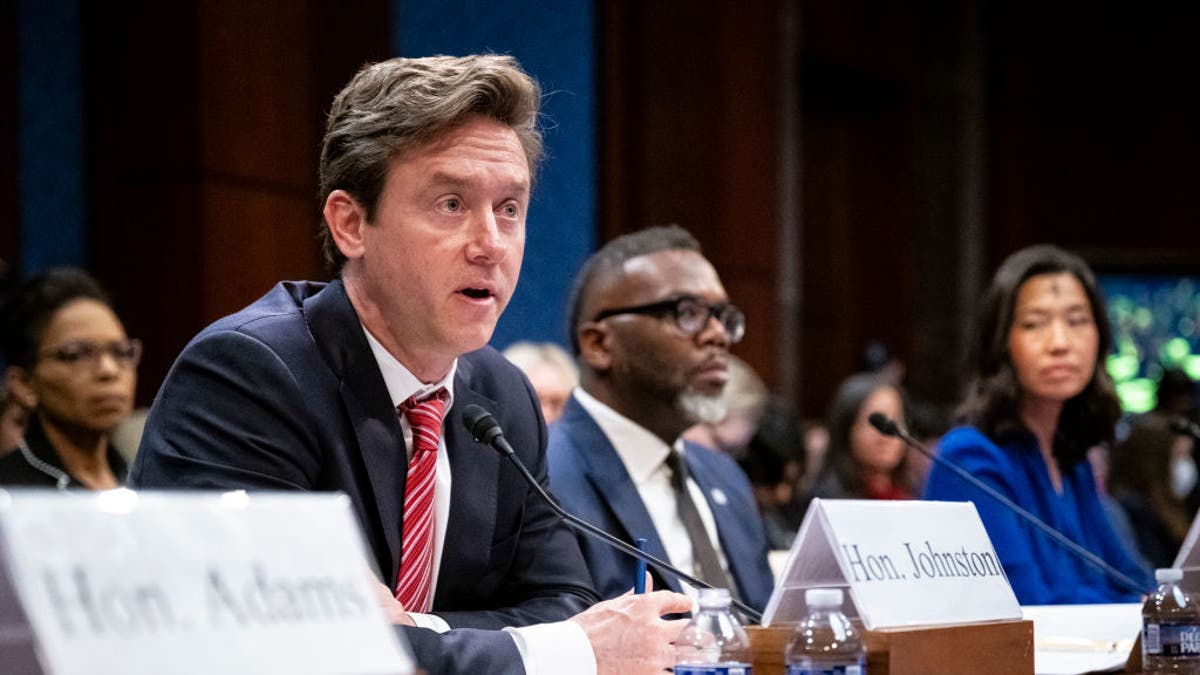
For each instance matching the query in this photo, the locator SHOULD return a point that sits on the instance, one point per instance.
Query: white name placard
(905, 563)
(126, 582)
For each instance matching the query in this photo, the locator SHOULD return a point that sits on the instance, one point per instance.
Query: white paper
(146, 583)
(905, 563)
(1071, 639)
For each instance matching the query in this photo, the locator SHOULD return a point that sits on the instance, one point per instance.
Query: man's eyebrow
(442, 179)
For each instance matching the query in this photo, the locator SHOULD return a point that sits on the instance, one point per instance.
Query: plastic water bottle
(1170, 627)
(713, 642)
(825, 643)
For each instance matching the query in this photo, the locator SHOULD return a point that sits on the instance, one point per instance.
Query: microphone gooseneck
(484, 428)
(888, 427)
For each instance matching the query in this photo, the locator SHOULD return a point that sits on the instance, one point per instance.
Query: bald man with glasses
(651, 327)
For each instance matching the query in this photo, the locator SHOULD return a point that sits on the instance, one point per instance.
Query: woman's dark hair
(28, 310)
(843, 412)
(993, 391)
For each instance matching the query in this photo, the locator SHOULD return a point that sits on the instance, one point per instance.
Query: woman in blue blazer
(1038, 398)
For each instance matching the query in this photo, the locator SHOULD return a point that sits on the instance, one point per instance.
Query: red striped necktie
(413, 587)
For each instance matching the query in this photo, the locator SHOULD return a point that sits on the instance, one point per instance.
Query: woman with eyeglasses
(72, 366)
(1038, 398)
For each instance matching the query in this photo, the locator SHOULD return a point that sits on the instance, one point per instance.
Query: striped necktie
(413, 587)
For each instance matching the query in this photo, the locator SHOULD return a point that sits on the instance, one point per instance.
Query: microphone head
(883, 424)
(480, 423)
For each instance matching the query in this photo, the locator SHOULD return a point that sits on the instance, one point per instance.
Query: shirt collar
(640, 451)
(401, 383)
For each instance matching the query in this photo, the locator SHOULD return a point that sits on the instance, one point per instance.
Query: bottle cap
(823, 597)
(714, 597)
(1167, 574)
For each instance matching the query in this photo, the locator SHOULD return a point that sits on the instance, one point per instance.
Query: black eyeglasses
(691, 314)
(125, 353)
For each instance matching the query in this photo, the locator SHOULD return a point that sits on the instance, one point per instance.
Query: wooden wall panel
(1094, 132)
(205, 121)
(258, 180)
(689, 137)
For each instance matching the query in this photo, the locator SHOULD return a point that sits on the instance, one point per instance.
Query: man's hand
(629, 635)
(392, 608)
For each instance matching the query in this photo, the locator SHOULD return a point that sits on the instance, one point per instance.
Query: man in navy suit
(651, 330)
(425, 176)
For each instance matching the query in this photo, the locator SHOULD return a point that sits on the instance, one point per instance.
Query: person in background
(774, 463)
(651, 329)
(549, 370)
(745, 398)
(1175, 396)
(766, 439)
(1150, 473)
(1175, 401)
(74, 368)
(862, 463)
(1037, 399)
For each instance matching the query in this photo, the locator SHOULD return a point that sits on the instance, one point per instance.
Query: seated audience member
(651, 330)
(1175, 400)
(862, 463)
(72, 365)
(774, 463)
(766, 440)
(1098, 456)
(745, 397)
(1038, 397)
(361, 385)
(549, 370)
(1150, 474)
(1175, 395)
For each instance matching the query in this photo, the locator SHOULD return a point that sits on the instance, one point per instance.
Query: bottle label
(715, 669)
(846, 669)
(1171, 639)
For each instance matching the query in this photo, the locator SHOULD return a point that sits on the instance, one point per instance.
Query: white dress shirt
(545, 648)
(644, 456)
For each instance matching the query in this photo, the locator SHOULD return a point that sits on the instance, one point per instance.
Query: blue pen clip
(639, 578)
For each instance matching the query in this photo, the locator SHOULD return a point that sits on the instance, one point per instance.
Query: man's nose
(487, 242)
(714, 332)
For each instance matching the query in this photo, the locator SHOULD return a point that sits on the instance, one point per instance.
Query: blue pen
(639, 578)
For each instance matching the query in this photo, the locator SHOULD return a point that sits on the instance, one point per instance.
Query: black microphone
(888, 427)
(1185, 427)
(483, 427)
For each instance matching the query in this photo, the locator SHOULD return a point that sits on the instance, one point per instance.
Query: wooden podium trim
(995, 648)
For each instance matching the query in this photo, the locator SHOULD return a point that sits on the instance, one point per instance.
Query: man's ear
(18, 383)
(346, 219)
(595, 346)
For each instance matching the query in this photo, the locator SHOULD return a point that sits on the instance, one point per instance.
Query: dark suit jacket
(591, 481)
(287, 395)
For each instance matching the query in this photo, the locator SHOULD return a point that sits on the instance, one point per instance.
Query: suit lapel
(474, 485)
(338, 334)
(608, 475)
